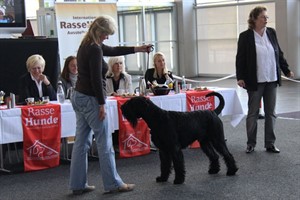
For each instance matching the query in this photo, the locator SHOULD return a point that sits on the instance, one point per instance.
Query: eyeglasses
(264, 17)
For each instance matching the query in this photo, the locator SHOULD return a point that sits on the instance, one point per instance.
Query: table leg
(2, 161)
(65, 149)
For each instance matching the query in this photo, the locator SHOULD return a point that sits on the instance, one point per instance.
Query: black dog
(172, 131)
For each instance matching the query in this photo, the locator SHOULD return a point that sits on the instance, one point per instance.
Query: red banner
(196, 100)
(132, 141)
(41, 136)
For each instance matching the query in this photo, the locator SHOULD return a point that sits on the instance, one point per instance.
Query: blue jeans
(87, 122)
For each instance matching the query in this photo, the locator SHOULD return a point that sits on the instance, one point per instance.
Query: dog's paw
(178, 181)
(231, 172)
(213, 170)
(160, 179)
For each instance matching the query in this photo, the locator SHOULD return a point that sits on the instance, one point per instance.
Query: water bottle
(142, 87)
(177, 90)
(60, 93)
(13, 100)
(183, 83)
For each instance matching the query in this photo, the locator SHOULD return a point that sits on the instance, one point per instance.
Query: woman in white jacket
(116, 77)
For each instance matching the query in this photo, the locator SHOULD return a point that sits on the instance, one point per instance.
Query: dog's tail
(221, 105)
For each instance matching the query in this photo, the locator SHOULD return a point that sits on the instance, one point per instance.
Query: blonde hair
(165, 70)
(35, 59)
(114, 60)
(102, 25)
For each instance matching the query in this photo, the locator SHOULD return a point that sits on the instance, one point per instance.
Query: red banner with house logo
(196, 100)
(41, 136)
(132, 141)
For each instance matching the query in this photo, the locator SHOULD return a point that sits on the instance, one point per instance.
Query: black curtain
(13, 56)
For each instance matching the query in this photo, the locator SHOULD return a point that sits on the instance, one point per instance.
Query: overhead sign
(73, 21)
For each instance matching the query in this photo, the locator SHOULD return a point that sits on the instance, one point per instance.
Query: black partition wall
(13, 56)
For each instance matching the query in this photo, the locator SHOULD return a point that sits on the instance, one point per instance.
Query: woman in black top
(35, 83)
(259, 62)
(160, 72)
(88, 101)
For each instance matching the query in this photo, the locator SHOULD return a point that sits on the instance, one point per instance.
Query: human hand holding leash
(144, 48)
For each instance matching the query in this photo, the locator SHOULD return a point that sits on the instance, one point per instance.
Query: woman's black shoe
(249, 149)
(273, 149)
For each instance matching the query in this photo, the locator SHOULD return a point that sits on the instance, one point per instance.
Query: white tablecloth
(233, 106)
(11, 126)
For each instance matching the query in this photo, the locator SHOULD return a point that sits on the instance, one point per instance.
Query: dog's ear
(147, 102)
(129, 113)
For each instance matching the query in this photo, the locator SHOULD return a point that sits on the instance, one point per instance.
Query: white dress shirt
(265, 58)
(38, 85)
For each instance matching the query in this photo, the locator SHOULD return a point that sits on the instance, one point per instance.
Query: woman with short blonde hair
(116, 77)
(35, 83)
(35, 60)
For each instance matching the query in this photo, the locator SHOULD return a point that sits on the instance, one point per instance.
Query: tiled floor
(261, 175)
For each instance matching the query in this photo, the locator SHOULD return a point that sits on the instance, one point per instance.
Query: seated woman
(160, 72)
(69, 74)
(116, 77)
(35, 83)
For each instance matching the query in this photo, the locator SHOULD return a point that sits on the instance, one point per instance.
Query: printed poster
(41, 136)
(196, 100)
(73, 21)
(132, 141)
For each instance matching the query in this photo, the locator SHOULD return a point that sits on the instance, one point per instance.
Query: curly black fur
(172, 131)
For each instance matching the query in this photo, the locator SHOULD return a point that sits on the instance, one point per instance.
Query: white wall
(288, 32)
(187, 42)
(287, 26)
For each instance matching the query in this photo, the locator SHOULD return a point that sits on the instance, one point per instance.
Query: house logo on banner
(41, 136)
(133, 143)
(39, 151)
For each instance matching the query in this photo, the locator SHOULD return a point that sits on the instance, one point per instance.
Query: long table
(177, 102)
(11, 125)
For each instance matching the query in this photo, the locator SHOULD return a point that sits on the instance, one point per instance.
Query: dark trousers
(267, 91)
